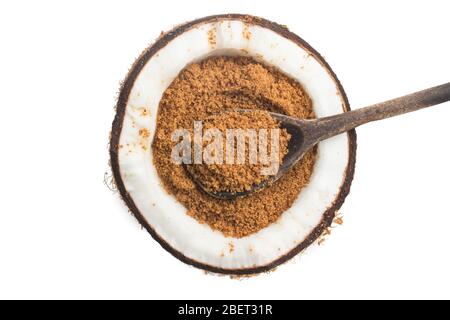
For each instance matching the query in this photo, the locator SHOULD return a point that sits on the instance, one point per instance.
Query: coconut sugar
(211, 91)
(238, 176)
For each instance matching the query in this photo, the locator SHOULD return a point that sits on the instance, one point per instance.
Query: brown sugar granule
(246, 32)
(144, 133)
(236, 177)
(212, 86)
(212, 38)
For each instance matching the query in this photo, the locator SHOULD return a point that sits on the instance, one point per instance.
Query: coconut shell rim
(125, 89)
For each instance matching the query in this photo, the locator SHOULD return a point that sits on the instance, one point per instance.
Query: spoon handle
(328, 127)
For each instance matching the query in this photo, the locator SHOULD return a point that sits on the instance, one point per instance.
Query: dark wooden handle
(324, 128)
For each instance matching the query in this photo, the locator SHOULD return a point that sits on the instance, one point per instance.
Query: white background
(63, 234)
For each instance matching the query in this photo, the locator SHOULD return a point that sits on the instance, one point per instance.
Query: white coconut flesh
(161, 211)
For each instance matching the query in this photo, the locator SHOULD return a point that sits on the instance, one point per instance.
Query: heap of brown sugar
(241, 174)
(210, 87)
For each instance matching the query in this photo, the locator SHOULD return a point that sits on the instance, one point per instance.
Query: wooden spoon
(305, 134)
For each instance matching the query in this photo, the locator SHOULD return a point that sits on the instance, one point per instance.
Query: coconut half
(166, 219)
